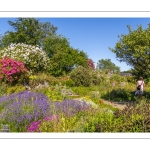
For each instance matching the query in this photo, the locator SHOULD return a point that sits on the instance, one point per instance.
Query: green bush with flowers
(34, 58)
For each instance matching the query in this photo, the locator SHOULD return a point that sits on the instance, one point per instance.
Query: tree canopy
(28, 31)
(107, 65)
(134, 49)
(63, 57)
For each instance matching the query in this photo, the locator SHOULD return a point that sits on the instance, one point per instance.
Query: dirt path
(116, 104)
(119, 105)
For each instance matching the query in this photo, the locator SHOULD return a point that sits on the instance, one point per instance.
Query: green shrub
(135, 117)
(131, 79)
(68, 83)
(96, 80)
(81, 76)
(118, 78)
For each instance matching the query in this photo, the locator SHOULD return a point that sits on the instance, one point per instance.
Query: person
(140, 91)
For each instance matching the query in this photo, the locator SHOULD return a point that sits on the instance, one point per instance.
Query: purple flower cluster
(24, 107)
(70, 107)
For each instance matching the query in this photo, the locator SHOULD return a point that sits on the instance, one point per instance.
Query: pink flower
(10, 68)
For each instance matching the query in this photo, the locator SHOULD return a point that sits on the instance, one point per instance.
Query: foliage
(96, 79)
(131, 79)
(54, 94)
(107, 65)
(12, 71)
(62, 56)
(135, 118)
(42, 78)
(80, 90)
(15, 89)
(133, 48)
(33, 57)
(68, 83)
(28, 31)
(81, 76)
(118, 78)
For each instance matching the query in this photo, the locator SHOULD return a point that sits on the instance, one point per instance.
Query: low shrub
(68, 83)
(81, 76)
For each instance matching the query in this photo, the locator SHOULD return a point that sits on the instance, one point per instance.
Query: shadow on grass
(120, 95)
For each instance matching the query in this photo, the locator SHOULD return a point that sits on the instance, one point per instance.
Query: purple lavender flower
(24, 107)
(70, 107)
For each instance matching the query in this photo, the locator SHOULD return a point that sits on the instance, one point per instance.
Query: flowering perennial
(11, 70)
(34, 58)
(24, 107)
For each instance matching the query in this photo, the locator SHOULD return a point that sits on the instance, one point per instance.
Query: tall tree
(63, 57)
(107, 65)
(134, 49)
(28, 31)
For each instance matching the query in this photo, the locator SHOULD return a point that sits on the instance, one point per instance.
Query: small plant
(53, 94)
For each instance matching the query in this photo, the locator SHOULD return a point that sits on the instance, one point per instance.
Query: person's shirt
(140, 82)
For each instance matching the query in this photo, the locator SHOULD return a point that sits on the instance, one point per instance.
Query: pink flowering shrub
(41, 124)
(12, 71)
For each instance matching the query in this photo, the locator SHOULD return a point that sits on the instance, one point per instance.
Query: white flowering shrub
(34, 58)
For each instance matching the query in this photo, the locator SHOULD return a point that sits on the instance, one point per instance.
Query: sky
(94, 35)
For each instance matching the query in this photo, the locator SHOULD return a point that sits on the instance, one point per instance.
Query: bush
(68, 83)
(134, 118)
(12, 71)
(34, 58)
(81, 76)
(96, 80)
(118, 78)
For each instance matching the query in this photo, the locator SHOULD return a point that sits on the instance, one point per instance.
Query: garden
(48, 86)
(40, 102)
